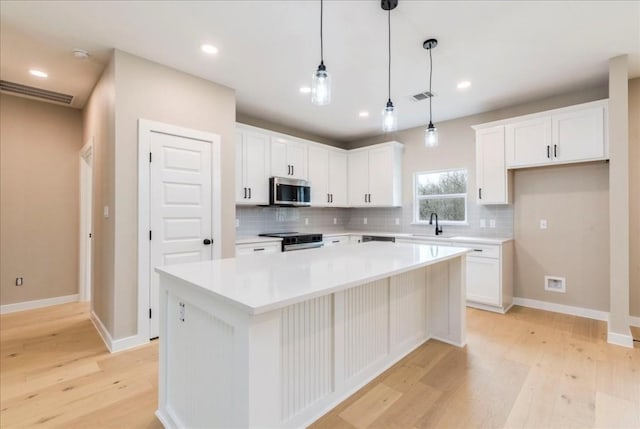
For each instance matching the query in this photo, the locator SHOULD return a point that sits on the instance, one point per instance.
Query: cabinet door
(256, 166)
(483, 280)
(297, 154)
(358, 173)
(491, 172)
(381, 170)
(319, 176)
(528, 143)
(579, 135)
(337, 177)
(240, 177)
(279, 165)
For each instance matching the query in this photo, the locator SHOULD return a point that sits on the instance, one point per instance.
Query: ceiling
(511, 51)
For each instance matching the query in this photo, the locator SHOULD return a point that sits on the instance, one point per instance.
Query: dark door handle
(245, 193)
(249, 193)
(328, 198)
(207, 241)
(555, 150)
(293, 170)
(331, 197)
(479, 193)
(548, 155)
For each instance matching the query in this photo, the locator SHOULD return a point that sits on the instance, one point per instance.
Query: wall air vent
(422, 96)
(30, 91)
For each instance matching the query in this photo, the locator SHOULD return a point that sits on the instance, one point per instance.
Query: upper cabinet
(492, 178)
(571, 134)
(327, 176)
(252, 167)
(288, 158)
(375, 176)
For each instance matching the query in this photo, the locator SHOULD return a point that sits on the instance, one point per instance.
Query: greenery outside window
(441, 192)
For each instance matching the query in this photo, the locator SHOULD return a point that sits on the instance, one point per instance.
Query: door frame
(85, 249)
(145, 128)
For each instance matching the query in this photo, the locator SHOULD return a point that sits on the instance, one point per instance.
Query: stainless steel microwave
(289, 192)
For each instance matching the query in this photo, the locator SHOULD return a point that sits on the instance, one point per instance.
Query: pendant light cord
(430, 76)
(321, 44)
(389, 27)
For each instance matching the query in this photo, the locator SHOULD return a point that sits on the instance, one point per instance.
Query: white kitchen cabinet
(354, 239)
(579, 135)
(252, 167)
(255, 248)
(289, 158)
(336, 240)
(483, 276)
(492, 177)
(375, 176)
(328, 176)
(528, 142)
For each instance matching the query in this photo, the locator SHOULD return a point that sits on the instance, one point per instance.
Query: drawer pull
(477, 250)
(336, 241)
(258, 249)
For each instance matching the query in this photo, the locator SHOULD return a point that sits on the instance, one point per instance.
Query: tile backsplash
(256, 220)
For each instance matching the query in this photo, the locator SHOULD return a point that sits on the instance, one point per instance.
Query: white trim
(487, 307)
(144, 144)
(38, 303)
(114, 345)
(561, 308)
(634, 321)
(620, 339)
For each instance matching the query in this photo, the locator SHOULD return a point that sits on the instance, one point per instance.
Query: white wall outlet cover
(492, 223)
(543, 224)
(364, 220)
(483, 223)
(306, 221)
(105, 212)
(335, 221)
(237, 223)
(397, 221)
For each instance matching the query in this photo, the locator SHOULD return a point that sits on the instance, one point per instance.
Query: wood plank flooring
(526, 369)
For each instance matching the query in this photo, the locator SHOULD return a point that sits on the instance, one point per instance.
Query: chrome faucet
(438, 228)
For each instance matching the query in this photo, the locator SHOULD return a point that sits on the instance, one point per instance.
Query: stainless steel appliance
(366, 238)
(289, 192)
(296, 240)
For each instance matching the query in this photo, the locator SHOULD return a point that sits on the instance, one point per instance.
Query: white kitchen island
(277, 340)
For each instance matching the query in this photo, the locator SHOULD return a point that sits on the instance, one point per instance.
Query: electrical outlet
(335, 221)
(483, 223)
(19, 281)
(105, 212)
(492, 223)
(306, 221)
(364, 220)
(237, 223)
(543, 224)
(397, 221)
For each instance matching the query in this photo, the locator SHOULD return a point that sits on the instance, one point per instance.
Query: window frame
(417, 198)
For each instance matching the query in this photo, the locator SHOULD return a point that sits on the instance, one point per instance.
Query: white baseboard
(115, 345)
(620, 339)
(561, 308)
(634, 321)
(39, 303)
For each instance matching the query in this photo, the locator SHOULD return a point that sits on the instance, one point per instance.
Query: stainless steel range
(296, 240)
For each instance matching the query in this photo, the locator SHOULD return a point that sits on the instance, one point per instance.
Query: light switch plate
(306, 221)
(364, 220)
(483, 223)
(335, 221)
(397, 221)
(237, 223)
(543, 224)
(105, 212)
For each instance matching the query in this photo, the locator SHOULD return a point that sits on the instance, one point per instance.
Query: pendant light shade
(431, 133)
(389, 113)
(321, 80)
(389, 118)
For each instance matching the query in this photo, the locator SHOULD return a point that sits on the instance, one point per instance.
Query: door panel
(180, 206)
(256, 165)
(381, 176)
(579, 135)
(337, 178)
(526, 142)
(358, 173)
(483, 280)
(319, 176)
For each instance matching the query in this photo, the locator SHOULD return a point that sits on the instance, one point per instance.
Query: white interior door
(180, 207)
(86, 213)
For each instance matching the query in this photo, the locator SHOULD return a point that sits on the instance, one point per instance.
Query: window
(443, 193)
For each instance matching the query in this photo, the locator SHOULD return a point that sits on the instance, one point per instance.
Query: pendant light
(389, 114)
(321, 80)
(431, 133)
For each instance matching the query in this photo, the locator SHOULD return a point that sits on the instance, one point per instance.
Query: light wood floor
(529, 368)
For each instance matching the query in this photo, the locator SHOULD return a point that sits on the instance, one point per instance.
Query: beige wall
(151, 91)
(574, 199)
(99, 127)
(39, 175)
(457, 149)
(281, 128)
(634, 197)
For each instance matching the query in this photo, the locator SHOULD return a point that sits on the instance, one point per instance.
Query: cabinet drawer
(251, 248)
(332, 241)
(481, 250)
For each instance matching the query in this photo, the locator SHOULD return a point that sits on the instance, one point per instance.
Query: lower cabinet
(251, 248)
(355, 239)
(336, 240)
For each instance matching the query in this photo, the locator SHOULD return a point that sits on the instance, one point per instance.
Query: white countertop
(265, 282)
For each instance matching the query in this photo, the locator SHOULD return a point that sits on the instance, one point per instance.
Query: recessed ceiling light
(38, 73)
(209, 49)
(464, 84)
(305, 89)
(363, 114)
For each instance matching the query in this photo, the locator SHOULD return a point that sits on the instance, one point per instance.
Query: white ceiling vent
(30, 91)
(422, 96)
